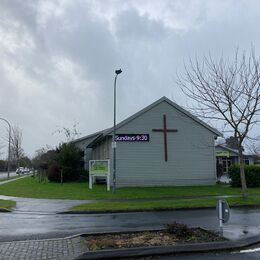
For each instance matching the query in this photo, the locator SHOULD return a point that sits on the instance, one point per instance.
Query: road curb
(130, 210)
(152, 209)
(167, 250)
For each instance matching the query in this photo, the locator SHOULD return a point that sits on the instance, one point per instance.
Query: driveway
(42, 205)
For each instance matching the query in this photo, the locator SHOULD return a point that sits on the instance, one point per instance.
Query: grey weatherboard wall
(191, 154)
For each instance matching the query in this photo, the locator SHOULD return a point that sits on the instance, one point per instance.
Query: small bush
(178, 229)
(84, 174)
(54, 173)
(70, 159)
(252, 174)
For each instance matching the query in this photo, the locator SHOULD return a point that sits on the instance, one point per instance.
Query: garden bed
(149, 239)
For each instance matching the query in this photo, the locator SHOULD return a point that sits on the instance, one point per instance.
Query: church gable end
(180, 150)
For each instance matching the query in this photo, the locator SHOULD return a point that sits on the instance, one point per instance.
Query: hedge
(252, 174)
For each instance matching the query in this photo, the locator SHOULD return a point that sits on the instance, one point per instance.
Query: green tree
(44, 156)
(25, 162)
(3, 165)
(232, 142)
(70, 160)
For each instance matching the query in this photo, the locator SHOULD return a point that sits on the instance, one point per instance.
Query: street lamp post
(114, 133)
(9, 146)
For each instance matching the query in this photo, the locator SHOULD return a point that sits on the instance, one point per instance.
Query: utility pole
(9, 146)
(114, 133)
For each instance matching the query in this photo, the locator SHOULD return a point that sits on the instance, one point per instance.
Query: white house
(227, 157)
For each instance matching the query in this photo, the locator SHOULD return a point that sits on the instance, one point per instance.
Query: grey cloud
(133, 28)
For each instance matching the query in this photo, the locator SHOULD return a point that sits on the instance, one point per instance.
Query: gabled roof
(227, 148)
(235, 151)
(177, 107)
(109, 131)
(90, 136)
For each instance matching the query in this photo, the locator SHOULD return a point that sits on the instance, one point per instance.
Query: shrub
(44, 157)
(54, 173)
(84, 174)
(70, 159)
(252, 174)
(178, 229)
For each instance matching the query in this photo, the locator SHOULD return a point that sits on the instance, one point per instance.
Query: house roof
(227, 148)
(109, 131)
(177, 107)
(223, 146)
(90, 136)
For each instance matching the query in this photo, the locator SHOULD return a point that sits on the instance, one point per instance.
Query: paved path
(22, 176)
(67, 248)
(42, 205)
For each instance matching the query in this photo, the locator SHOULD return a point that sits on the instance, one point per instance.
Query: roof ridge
(149, 107)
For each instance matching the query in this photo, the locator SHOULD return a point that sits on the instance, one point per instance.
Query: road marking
(250, 250)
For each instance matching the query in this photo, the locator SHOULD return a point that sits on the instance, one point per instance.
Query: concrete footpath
(64, 248)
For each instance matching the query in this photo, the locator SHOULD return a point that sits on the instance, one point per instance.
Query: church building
(163, 144)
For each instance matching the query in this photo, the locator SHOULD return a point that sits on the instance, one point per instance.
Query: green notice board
(222, 154)
(99, 167)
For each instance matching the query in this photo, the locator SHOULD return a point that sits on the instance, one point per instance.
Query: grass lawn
(7, 204)
(30, 188)
(160, 204)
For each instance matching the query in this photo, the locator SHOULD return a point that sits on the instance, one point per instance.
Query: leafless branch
(227, 91)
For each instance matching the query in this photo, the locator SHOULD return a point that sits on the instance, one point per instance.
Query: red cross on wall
(165, 131)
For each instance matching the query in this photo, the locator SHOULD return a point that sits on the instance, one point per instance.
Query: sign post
(223, 213)
(99, 168)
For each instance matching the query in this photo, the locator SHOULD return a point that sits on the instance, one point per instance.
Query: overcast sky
(58, 57)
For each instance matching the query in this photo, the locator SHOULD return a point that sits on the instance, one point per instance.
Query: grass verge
(6, 204)
(160, 204)
(29, 187)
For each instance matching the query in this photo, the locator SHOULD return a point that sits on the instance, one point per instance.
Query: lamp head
(118, 71)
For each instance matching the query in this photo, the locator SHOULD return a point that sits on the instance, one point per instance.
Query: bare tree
(226, 91)
(70, 133)
(17, 151)
(254, 149)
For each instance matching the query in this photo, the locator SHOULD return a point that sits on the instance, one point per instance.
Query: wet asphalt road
(3, 175)
(20, 224)
(233, 255)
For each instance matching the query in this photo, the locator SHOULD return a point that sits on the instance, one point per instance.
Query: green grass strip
(161, 204)
(6, 204)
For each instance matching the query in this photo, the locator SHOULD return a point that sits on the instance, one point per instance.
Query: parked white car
(20, 170)
(26, 170)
